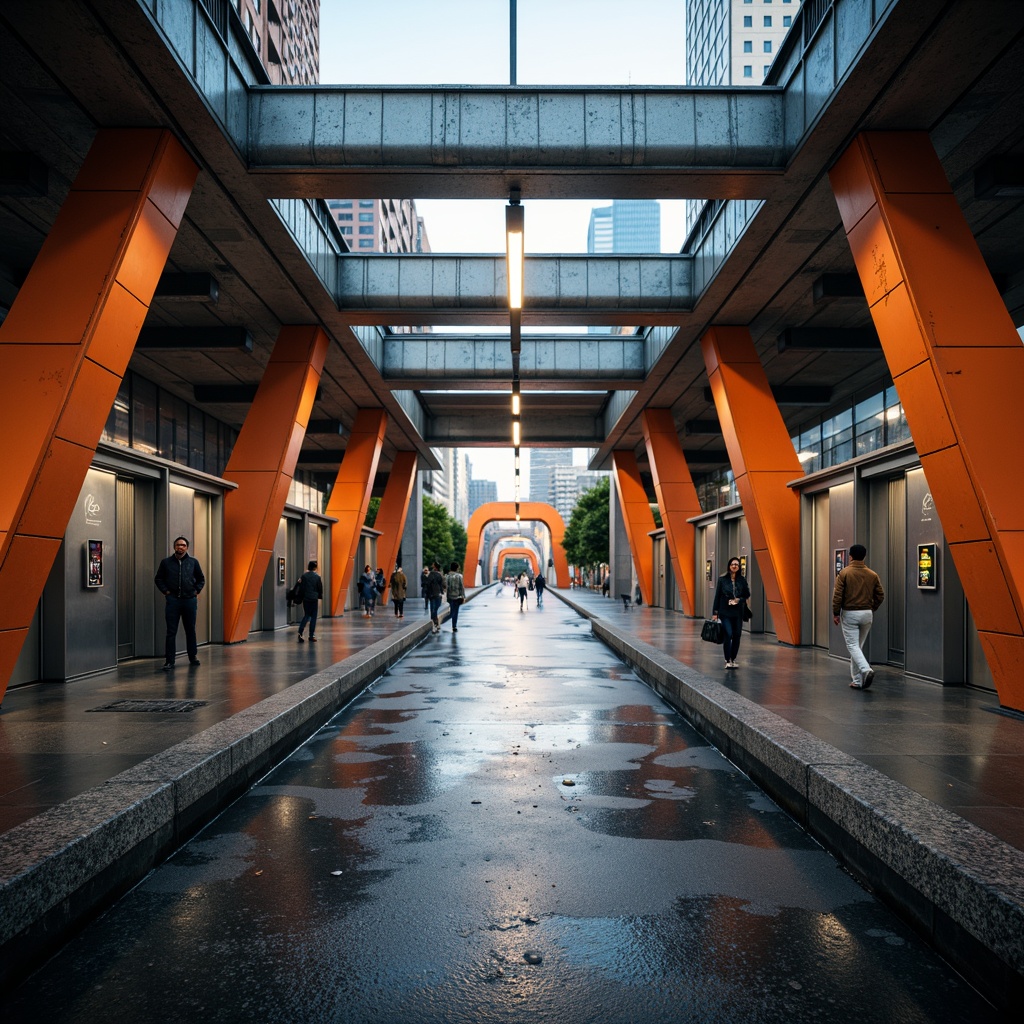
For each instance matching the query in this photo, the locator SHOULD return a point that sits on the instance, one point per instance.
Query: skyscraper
(732, 42)
(286, 36)
(628, 225)
(542, 464)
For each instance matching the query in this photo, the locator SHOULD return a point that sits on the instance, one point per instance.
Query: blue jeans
(183, 609)
(309, 613)
(733, 627)
(455, 604)
(435, 604)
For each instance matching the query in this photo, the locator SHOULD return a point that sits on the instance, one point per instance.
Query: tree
(586, 536)
(371, 512)
(437, 537)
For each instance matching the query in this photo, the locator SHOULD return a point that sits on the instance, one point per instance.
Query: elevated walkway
(910, 784)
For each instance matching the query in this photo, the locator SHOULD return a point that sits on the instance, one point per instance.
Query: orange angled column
(677, 497)
(394, 507)
(958, 366)
(639, 519)
(350, 498)
(262, 463)
(66, 343)
(763, 462)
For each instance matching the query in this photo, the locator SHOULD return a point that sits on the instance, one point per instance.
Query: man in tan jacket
(857, 594)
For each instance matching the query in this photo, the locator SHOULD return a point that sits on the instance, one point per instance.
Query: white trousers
(856, 626)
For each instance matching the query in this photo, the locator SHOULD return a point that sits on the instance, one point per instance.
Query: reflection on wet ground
(488, 835)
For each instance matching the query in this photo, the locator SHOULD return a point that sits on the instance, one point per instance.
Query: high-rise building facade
(732, 42)
(628, 225)
(380, 225)
(568, 483)
(286, 35)
(542, 463)
(481, 492)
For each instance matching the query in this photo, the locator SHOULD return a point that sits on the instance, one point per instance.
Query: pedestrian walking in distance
(180, 579)
(855, 599)
(399, 589)
(522, 585)
(435, 594)
(311, 589)
(730, 604)
(456, 591)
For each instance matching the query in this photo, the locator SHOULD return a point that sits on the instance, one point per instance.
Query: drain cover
(161, 706)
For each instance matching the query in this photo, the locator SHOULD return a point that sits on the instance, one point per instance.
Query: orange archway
(506, 553)
(529, 511)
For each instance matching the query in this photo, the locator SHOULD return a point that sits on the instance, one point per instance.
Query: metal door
(821, 570)
(124, 575)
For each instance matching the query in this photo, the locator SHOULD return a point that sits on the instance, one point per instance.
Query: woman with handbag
(730, 602)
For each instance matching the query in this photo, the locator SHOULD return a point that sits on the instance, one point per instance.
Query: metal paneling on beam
(421, 289)
(340, 142)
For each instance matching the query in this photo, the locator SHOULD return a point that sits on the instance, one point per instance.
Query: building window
(767, 46)
(787, 20)
(748, 71)
(748, 21)
(767, 68)
(748, 46)
(365, 243)
(366, 229)
(366, 218)
(344, 204)
(365, 204)
(767, 21)
(344, 216)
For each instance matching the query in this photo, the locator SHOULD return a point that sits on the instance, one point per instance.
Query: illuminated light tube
(515, 432)
(514, 255)
(515, 403)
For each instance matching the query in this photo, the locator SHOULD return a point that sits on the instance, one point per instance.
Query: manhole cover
(162, 706)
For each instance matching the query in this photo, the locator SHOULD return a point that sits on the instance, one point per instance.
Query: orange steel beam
(66, 343)
(394, 507)
(262, 463)
(529, 512)
(763, 462)
(958, 366)
(638, 517)
(350, 498)
(506, 553)
(677, 497)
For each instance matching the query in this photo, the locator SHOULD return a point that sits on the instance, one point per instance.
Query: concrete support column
(66, 343)
(639, 520)
(958, 366)
(394, 507)
(262, 463)
(677, 497)
(350, 498)
(764, 462)
(412, 537)
(620, 558)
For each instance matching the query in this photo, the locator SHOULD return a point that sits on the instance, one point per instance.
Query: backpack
(294, 596)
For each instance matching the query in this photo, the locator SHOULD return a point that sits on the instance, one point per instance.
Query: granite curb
(63, 866)
(959, 886)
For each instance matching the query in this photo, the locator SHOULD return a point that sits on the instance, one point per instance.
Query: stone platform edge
(957, 885)
(60, 868)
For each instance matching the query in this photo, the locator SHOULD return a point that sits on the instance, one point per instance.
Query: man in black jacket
(180, 579)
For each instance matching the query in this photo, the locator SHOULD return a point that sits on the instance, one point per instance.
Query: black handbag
(747, 613)
(712, 631)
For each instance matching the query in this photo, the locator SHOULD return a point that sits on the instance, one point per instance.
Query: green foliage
(586, 536)
(514, 566)
(444, 538)
(657, 516)
(371, 512)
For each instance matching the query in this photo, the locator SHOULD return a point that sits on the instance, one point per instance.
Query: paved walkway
(509, 826)
(948, 744)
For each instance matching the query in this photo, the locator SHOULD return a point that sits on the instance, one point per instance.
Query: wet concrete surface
(508, 826)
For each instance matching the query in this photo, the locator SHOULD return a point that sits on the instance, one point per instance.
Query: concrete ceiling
(954, 70)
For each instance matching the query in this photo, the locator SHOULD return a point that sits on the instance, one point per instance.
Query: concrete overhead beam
(423, 289)
(608, 362)
(489, 429)
(552, 142)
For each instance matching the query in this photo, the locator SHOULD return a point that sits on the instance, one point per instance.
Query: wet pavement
(508, 826)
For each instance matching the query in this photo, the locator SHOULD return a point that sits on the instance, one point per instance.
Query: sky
(466, 42)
